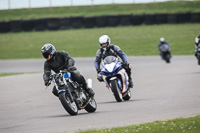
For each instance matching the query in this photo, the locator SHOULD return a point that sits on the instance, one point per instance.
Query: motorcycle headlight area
(59, 80)
(110, 67)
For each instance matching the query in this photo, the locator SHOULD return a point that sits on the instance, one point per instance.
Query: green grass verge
(10, 74)
(133, 40)
(150, 8)
(180, 125)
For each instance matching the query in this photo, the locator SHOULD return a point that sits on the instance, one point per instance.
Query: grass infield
(133, 40)
(180, 125)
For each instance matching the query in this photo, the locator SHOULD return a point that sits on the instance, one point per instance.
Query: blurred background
(135, 25)
(17, 4)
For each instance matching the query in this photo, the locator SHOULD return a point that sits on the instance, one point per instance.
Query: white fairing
(110, 66)
(124, 77)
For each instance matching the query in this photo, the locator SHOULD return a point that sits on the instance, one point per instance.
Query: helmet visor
(104, 45)
(46, 55)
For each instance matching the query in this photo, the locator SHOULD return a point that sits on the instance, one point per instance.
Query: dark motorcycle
(165, 52)
(198, 54)
(71, 95)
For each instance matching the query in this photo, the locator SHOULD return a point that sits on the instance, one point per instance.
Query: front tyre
(198, 59)
(70, 106)
(116, 90)
(92, 106)
(167, 58)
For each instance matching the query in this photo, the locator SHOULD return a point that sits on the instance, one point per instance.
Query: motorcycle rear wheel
(127, 96)
(116, 91)
(92, 106)
(70, 106)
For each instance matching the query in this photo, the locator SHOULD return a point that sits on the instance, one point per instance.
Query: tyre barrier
(77, 22)
(149, 19)
(96, 21)
(4, 27)
(195, 17)
(113, 21)
(160, 18)
(40, 24)
(28, 25)
(53, 24)
(183, 18)
(137, 19)
(16, 26)
(101, 21)
(172, 18)
(89, 22)
(125, 20)
(65, 23)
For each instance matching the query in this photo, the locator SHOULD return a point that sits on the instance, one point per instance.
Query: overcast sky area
(17, 4)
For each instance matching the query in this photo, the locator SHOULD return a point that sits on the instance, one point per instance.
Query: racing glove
(98, 70)
(46, 82)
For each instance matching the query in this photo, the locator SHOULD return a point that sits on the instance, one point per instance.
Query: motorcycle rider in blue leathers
(60, 60)
(197, 44)
(162, 42)
(107, 49)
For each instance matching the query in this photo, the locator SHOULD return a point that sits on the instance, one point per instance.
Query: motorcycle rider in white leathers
(107, 49)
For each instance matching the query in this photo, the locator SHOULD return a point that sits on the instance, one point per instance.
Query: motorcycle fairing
(121, 78)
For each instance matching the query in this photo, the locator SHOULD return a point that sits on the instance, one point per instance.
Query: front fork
(124, 85)
(67, 90)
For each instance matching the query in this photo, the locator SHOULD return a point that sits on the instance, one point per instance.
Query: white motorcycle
(115, 78)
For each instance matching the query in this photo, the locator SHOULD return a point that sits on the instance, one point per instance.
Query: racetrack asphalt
(161, 92)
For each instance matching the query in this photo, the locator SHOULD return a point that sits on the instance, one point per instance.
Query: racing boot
(89, 91)
(130, 83)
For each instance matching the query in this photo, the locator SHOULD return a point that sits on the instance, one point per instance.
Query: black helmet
(48, 51)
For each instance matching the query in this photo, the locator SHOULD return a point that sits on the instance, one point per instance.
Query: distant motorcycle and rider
(197, 48)
(165, 50)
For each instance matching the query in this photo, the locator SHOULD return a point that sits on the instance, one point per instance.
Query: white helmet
(162, 39)
(104, 39)
(197, 39)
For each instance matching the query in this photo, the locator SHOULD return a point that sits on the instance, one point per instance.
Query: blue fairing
(67, 75)
(63, 90)
(119, 83)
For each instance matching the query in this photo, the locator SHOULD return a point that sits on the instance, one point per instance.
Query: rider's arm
(121, 54)
(159, 46)
(69, 61)
(47, 71)
(98, 60)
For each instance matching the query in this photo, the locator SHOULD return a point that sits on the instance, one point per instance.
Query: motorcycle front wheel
(198, 59)
(69, 105)
(116, 90)
(167, 58)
